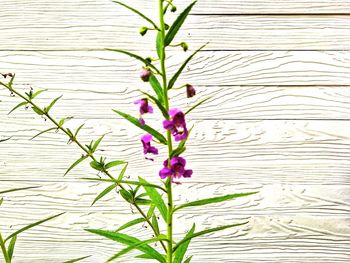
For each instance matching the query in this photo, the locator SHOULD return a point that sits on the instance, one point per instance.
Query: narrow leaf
(131, 223)
(127, 196)
(18, 189)
(195, 106)
(151, 211)
(177, 24)
(97, 143)
(38, 111)
(3, 249)
(114, 163)
(135, 246)
(128, 240)
(17, 106)
(137, 12)
(76, 163)
(177, 74)
(156, 199)
(31, 225)
(76, 260)
(188, 260)
(97, 166)
(146, 62)
(42, 132)
(11, 247)
(145, 127)
(155, 223)
(180, 252)
(213, 200)
(142, 201)
(207, 231)
(156, 87)
(121, 175)
(159, 104)
(103, 193)
(78, 130)
(159, 45)
(48, 108)
(37, 93)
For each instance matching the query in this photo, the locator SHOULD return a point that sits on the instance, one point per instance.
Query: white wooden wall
(279, 123)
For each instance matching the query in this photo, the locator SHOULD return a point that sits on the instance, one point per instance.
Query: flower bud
(184, 46)
(143, 30)
(145, 74)
(190, 91)
(173, 9)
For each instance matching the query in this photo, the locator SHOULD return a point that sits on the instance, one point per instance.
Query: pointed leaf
(177, 74)
(31, 225)
(103, 193)
(207, 231)
(159, 45)
(121, 175)
(146, 62)
(114, 163)
(18, 189)
(151, 211)
(195, 106)
(97, 143)
(156, 87)
(75, 164)
(127, 196)
(11, 247)
(135, 246)
(142, 201)
(42, 132)
(78, 130)
(131, 223)
(159, 104)
(38, 111)
(137, 12)
(156, 199)
(155, 223)
(188, 260)
(213, 200)
(48, 108)
(129, 240)
(177, 24)
(37, 93)
(76, 260)
(17, 106)
(180, 252)
(97, 166)
(146, 128)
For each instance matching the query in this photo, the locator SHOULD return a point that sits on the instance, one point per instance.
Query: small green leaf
(78, 130)
(121, 175)
(177, 24)
(142, 201)
(76, 260)
(155, 223)
(31, 225)
(188, 260)
(129, 240)
(156, 199)
(178, 151)
(18, 189)
(180, 252)
(11, 246)
(127, 196)
(131, 223)
(159, 104)
(145, 61)
(177, 74)
(42, 132)
(195, 106)
(159, 45)
(76, 163)
(37, 110)
(63, 120)
(48, 108)
(37, 93)
(145, 127)
(213, 200)
(17, 106)
(135, 246)
(157, 88)
(151, 211)
(97, 166)
(97, 143)
(113, 163)
(207, 231)
(137, 12)
(104, 192)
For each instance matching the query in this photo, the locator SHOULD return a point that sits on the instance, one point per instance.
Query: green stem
(169, 258)
(4, 252)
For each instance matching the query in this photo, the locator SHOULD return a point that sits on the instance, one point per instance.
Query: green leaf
(145, 127)
(188, 260)
(207, 231)
(155, 223)
(131, 223)
(114, 163)
(76, 163)
(177, 74)
(129, 240)
(76, 260)
(142, 201)
(63, 120)
(38, 111)
(213, 200)
(151, 211)
(137, 12)
(135, 246)
(159, 45)
(11, 247)
(17, 106)
(97, 143)
(180, 252)
(178, 151)
(121, 175)
(156, 199)
(157, 88)
(18, 189)
(145, 61)
(159, 104)
(78, 130)
(127, 196)
(48, 108)
(103, 193)
(3, 248)
(177, 24)
(37, 93)
(31, 225)
(195, 106)
(97, 166)
(42, 132)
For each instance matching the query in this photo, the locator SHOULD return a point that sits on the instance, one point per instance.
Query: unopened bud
(143, 30)
(145, 74)
(173, 9)
(190, 91)
(166, 26)
(184, 46)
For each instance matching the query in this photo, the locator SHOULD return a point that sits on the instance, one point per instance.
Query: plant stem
(169, 258)
(4, 252)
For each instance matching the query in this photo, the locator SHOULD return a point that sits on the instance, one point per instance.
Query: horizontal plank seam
(270, 14)
(206, 50)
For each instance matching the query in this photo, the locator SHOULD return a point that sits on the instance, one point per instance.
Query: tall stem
(162, 58)
(4, 252)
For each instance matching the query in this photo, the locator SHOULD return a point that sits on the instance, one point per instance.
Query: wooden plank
(70, 30)
(289, 223)
(266, 152)
(114, 72)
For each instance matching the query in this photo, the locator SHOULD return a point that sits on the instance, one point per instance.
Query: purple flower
(176, 169)
(145, 74)
(146, 142)
(144, 108)
(177, 124)
(190, 91)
